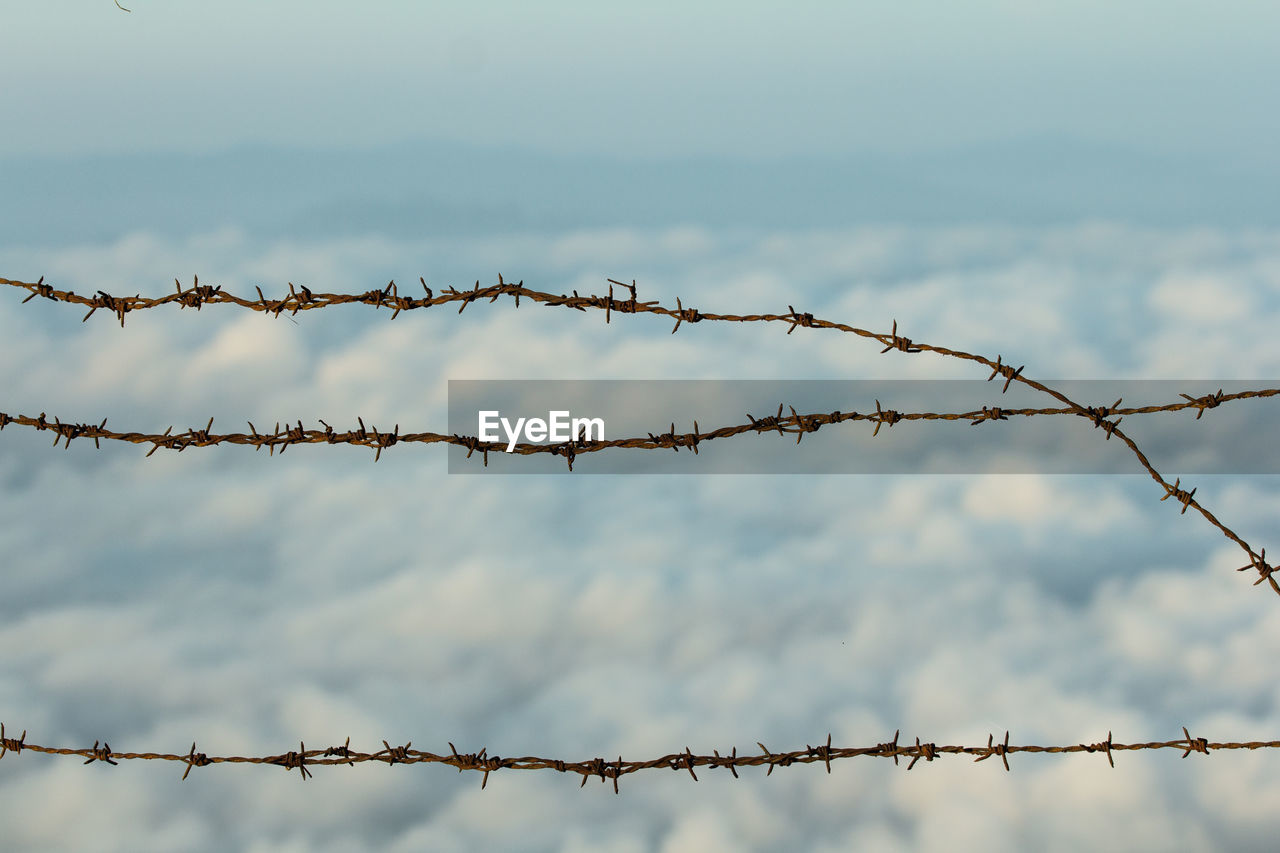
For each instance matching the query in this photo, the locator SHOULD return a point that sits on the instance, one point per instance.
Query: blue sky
(663, 80)
(299, 120)
(1082, 188)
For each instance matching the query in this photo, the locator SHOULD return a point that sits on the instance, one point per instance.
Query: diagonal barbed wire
(304, 299)
(606, 769)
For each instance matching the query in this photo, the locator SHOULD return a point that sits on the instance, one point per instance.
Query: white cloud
(250, 603)
(1204, 299)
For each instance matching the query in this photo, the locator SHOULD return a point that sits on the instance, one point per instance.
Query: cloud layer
(250, 602)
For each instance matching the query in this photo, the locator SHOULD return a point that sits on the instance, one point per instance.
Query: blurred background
(1081, 188)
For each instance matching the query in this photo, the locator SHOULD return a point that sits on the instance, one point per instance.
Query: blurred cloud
(249, 602)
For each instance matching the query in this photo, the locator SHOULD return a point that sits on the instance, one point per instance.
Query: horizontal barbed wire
(304, 299)
(794, 424)
(484, 763)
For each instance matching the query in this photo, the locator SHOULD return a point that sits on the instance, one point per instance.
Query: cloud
(1205, 299)
(251, 602)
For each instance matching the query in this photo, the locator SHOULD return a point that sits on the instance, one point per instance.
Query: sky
(1080, 188)
(716, 79)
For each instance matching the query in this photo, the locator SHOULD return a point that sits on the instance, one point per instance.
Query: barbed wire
(482, 762)
(794, 424)
(304, 299)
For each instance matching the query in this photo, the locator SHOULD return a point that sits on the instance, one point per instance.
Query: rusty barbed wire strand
(793, 424)
(304, 299)
(611, 769)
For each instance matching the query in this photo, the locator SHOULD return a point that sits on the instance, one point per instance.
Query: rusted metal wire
(611, 770)
(303, 299)
(799, 424)
(796, 424)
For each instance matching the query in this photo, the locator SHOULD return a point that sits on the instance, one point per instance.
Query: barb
(611, 770)
(389, 296)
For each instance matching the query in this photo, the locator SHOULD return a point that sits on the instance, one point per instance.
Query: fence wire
(608, 769)
(796, 424)
(302, 299)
